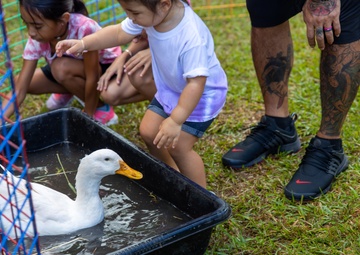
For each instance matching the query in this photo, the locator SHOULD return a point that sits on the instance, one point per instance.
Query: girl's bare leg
(132, 88)
(70, 74)
(189, 162)
(42, 85)
(144, 84)
(182, 158)
(149, 127)
(123, 93)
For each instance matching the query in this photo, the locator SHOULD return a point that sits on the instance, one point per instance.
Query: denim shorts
(47, 71)
(194, 128)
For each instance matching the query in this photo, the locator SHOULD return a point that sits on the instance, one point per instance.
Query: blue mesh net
(18, 233)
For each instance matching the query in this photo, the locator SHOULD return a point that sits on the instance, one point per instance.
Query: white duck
(56, 213)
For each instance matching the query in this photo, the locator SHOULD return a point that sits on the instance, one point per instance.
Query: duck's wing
(49, 204)
(13, 195)
(11, 185)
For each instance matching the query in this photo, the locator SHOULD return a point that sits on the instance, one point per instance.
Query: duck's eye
(107, 159)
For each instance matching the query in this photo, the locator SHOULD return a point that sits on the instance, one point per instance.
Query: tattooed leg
(339, 84)
(273, 59)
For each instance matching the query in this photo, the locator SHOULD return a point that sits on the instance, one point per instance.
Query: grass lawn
(263, 220)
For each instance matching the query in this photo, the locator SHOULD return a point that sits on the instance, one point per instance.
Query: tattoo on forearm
(340, 79)
(276, 75)
(322, 7)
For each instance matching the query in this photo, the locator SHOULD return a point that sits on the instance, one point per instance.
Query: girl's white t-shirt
(186, 51)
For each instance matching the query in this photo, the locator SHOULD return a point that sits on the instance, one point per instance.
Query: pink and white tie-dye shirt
(79, 26)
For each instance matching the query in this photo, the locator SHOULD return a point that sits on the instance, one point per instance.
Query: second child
(191, 84)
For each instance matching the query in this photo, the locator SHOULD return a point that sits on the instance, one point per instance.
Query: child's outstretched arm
(107, 37)
(170, 128)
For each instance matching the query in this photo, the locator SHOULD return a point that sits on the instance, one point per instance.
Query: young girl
(191, 85)
(49, 21)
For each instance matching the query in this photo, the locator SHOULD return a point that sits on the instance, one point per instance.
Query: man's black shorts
(269, 13)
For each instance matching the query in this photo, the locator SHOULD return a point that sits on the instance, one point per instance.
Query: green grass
(263, 221)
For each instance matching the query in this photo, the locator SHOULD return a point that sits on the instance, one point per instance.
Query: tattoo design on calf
(276, 74)
(340, 80)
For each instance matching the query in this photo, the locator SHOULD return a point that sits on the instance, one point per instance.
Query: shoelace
(321, 158)
(264, 136)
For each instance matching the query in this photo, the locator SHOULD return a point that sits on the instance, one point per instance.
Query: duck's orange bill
(128, 171)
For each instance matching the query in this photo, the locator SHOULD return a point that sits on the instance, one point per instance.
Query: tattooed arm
(322, 21)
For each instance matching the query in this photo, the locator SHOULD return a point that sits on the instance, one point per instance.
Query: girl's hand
(141, 60)
(117, 67)
(71, 46)
(168, 135)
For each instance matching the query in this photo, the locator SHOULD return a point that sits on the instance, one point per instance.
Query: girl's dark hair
(151, 4)
(54, 9)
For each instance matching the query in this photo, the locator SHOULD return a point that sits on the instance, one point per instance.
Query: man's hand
(322, 21)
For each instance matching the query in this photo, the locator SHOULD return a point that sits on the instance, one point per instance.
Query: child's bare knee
(145, 134)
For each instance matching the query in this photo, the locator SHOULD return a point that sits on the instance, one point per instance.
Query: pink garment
(79, 26)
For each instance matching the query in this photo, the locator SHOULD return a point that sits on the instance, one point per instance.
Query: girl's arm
(170, 128)
(142, 60)
(189, 99)
(139, 43)
(109, 36)
(92, 74)
(22, 83)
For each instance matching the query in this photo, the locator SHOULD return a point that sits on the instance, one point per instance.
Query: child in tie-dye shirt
(49, 21)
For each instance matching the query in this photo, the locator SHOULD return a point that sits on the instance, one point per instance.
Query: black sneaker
(266, 138)
(318, 168)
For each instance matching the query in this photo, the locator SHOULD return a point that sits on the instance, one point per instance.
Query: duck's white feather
(56, 213)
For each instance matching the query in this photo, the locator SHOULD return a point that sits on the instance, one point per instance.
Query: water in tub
(132, 213)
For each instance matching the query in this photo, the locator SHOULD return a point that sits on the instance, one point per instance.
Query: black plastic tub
(69, 127)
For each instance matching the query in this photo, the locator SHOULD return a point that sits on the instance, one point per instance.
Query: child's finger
(119, 76)
(74, 50)
(66, 46)
(159, 140)
(174, 142)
